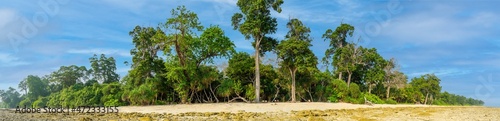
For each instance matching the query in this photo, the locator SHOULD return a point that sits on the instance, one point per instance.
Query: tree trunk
(349, 79)
(387, 92)
(215, 96)
(310, 95)
(426, 96)
(277, 92)
(369, 88)
(340, 76)
(293, 85)
(257, 72)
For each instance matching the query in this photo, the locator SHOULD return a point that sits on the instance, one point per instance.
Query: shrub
(354, 100)
(372, 98)
(337, 91)
(332, 99)
(41, 102)
(390, 101)
(26, 102)
(354, 90)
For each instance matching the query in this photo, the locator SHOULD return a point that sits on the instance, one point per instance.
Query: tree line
(172, 64)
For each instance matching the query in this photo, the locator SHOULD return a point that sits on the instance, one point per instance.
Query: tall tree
(11, 97)
(255, 22)
(350, 56)
(181, 26)
(393, 78)
(103, 69)
(186, 66)
(37, 87)
(338, 39)
(145, 60)
(294, 51)
(428, 84)
(23, 86)
(69, 75)
(374, 73)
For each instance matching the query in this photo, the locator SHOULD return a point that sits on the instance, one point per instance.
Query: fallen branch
(239, 97)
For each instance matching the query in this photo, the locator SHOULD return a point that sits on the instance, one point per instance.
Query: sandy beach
(277, 111)
(253, 107)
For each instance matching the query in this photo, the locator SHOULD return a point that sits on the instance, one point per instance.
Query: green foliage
(41, 102)
(26, 102)
(354, 91)
(338, 90)
(255, 21)
(372, 98)
(112, 93)
(294, 51)
(226, 88)
(10, 97)
(446, 98)
(143, 95)
(427, 84)
(338, 39)
(240, 67)
(103, 69)
(390, 101)
(69, 75)
(250, 92)
(355, 100)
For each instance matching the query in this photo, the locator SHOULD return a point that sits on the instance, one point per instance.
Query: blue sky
(459, 40)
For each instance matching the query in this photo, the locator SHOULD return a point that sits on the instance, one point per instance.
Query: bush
(354, 90)
(113, 102)
(354, 100)
(333, 99)
(26, 102)
(438, 102)
(372, 98)
(338, 90)
(390, 101)
(41, 102)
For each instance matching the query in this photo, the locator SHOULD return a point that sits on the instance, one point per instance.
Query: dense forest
(173, 63)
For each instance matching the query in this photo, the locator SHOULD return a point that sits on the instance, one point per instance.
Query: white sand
(251, 107)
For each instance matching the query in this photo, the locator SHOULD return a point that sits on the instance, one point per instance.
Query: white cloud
(441, 72)
(107, 51)
(7, 60)
(441, 24)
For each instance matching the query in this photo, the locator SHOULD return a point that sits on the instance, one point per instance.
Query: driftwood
(367, 102)
(239, 97)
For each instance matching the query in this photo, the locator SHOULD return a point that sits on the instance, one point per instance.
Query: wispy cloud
(107, 51)
(444, 72)
(440, 25)
(8, 60)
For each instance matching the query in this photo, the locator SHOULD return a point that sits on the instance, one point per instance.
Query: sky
(458, 41)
